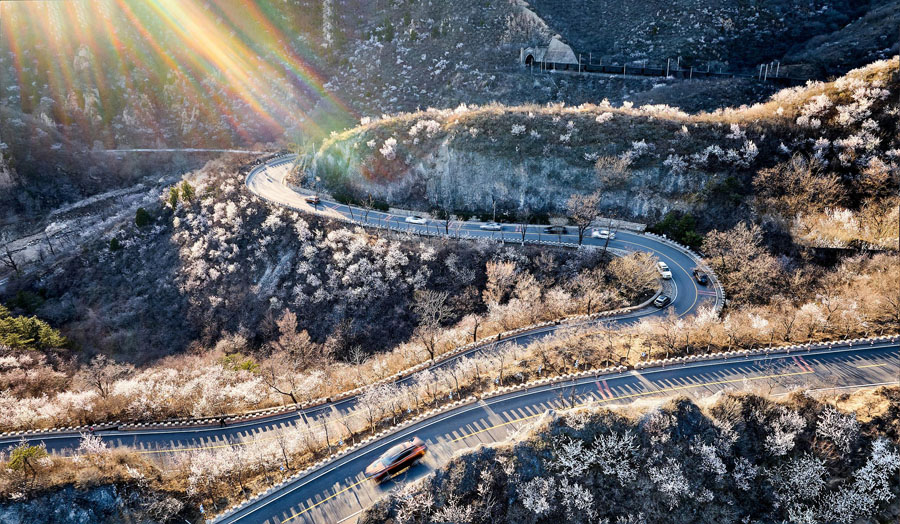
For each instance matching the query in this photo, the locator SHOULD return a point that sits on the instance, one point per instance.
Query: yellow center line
(326, 499)
(457, 439)
(645, 393)
(872, 365)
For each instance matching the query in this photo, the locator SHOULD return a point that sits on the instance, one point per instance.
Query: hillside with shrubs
(737, 457)
(818, 163)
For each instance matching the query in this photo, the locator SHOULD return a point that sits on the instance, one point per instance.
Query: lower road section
(339, 491)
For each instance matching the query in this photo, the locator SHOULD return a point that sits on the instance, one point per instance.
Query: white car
(603, 234)
(663, 269)
(415, 220)
(492, 226)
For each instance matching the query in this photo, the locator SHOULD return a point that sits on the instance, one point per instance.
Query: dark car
(396, 459)
(701, 277)
(555, 230)
(662, 301)
(314, 200)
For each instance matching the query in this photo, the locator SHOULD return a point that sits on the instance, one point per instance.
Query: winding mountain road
(268, 181)
(338, 491)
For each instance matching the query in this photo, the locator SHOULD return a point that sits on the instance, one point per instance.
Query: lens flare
(86, 62)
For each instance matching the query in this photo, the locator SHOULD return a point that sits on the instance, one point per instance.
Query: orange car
(396, 459)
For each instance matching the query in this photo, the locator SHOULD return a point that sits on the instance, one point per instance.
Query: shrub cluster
(740, 458)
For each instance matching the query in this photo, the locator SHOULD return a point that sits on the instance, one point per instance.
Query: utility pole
(668, 61)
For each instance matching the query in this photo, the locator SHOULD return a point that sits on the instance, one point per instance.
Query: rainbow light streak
(226, 58)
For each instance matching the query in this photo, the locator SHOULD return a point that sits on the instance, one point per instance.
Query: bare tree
(669, 332)
(358, 357)
(583, 210)
(368, 204)
(526, 214)
(373, 402)
(591, 287)
(636, 274)
(102, 373)
(612, 229)
(283, 374)
(283, 440)
(474, 321)
(501, 277)
(447, 218)
(433, 310)
(297, 344)
(9, 261)
(786, 317)
(741, 263)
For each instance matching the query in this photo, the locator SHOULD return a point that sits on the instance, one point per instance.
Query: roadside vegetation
(131, 292)
(736, 457)
(817, 162)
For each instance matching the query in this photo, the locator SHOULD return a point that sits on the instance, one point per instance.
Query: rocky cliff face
(101, 505)
(465, 180)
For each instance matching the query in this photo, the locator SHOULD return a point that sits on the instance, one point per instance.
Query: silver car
(603, 234)
(492, 226)
(415, 220)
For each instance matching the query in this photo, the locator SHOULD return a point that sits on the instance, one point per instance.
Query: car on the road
(396, 459)
(555, 230)
(313, 199)
(701, 277)
(492, 226)
(664, 271)
(603, 234)
(415, 219)
(662, 301)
